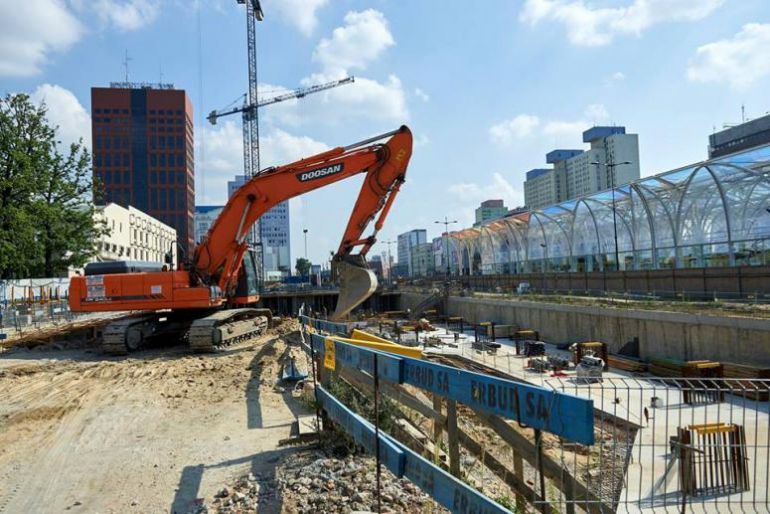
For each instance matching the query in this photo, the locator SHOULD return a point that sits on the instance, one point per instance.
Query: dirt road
(154, 432)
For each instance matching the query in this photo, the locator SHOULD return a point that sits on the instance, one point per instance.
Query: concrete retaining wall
(661, 334)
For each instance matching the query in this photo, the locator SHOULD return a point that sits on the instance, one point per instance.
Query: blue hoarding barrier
(447, 490)
(362, 431)
(390, 366)
(564, 415)
(328, 327)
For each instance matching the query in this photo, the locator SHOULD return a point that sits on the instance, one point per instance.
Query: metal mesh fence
(662, 444)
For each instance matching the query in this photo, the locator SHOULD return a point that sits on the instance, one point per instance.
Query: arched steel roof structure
(713, 213)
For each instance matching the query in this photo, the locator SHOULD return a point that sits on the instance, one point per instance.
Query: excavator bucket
(357, 283)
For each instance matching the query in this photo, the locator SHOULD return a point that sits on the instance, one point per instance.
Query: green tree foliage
(302, 266)
(46, 216)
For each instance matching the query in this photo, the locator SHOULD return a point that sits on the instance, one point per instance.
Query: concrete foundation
(661, 334)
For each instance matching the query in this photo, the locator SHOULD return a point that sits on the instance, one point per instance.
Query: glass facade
(711, 214)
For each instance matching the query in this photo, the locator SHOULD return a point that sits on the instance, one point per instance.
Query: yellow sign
(330, 358)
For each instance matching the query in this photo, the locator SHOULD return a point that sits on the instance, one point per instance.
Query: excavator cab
(357, 283)
(247, 290)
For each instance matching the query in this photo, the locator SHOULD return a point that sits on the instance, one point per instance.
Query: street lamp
(390, 261)
(304, 231)
(611, 168)
(446, 224)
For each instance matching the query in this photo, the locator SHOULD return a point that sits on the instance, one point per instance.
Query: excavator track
(226, 327)
(128, 334)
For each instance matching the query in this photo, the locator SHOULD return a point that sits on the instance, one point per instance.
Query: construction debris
(310, 481)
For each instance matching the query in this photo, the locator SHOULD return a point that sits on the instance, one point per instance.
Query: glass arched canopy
(714, 213)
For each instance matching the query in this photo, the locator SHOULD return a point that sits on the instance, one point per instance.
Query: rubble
(310, 481)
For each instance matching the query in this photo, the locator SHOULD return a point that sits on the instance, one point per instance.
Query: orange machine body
(212, 278)
(139, 291)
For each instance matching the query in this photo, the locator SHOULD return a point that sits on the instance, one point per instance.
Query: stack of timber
(691, 369)
(752, 387)
(667, 367)
(626, 363)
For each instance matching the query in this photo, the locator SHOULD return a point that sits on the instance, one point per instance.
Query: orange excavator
(212, 299)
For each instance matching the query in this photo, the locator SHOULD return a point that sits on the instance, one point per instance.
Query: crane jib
(320, 172)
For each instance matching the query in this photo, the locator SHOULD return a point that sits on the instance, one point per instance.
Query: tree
(68, 230)
(24, 145)
(303, 266)
(47, 221)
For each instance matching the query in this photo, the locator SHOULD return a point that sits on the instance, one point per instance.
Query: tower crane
(249, 111)
(250, 120)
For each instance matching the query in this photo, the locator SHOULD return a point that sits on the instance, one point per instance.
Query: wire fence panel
(674, 444)
(662, 444)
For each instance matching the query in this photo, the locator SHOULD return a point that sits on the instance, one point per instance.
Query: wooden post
(454, 442)
(518, 470)
(438, 427)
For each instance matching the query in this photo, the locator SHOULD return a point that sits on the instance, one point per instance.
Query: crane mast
(251, 118)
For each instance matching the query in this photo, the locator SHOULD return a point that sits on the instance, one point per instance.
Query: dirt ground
(154, 432)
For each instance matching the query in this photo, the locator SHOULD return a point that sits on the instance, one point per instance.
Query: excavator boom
(212, 279)
(219, 256)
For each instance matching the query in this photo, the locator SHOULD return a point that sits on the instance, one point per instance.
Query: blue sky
(487, 87)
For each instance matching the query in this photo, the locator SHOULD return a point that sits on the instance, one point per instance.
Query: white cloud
(30, 31)
(301, 14)
(588, 25)
(357, 44)
(596, 113)
(126, 15)
(465, 196)
(422, 95)
(421, 140)
(220, 156)
(519, 127)
(526, 125)
(364, 99)
(361, 40)
(64, 110)
(560, 128)
(740, 61)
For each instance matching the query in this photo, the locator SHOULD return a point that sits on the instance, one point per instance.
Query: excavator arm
(218, 258)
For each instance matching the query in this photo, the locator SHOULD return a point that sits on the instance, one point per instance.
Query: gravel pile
(328, 485)
(247, 494)
(311, 482)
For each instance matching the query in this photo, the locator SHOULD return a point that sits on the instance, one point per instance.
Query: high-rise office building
(490, 210)
(406, 241)
(574, 173)
(273, 230)
(143, 152)
(747, 135)
(205, 216)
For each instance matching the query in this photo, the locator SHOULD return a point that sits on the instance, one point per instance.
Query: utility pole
(304, 231)
(611, 168)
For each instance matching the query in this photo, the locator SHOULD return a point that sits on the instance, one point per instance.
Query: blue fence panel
(565, 415)
(362, 431)
(390, 367)
(450, 492)
(562, 414)
(447, 490)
